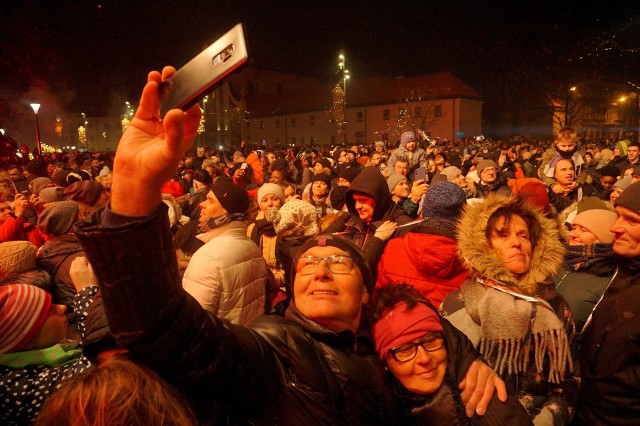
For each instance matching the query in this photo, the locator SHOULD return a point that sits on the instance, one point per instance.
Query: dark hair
(517, 207)
(391, 294)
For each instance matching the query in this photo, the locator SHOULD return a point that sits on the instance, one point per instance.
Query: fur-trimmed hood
(474, 248)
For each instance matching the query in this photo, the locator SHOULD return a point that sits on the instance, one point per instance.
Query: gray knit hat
(451, 172)
(623, 183)
(484, 164)
(58, 218)
(598, 222)
(394, 179)
(630, 198)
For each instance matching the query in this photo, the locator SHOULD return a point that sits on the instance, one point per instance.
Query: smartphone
(244, 166)
(420, 174)
(201, 75)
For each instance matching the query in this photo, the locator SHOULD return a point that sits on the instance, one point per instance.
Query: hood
(370, 182)
(474, 248)
(435, 255)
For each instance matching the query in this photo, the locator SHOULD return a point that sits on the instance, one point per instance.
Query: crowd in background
(499, 249)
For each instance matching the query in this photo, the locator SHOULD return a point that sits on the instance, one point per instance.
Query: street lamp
(342, 65)
(36, 107)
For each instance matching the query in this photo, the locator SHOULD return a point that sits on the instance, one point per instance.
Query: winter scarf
(576, 255)
(524, 325)
(56, 355)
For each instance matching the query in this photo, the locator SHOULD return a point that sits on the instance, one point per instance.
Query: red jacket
(427, 261)
(16, 229)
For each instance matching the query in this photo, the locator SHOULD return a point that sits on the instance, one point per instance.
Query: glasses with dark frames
(408, 351)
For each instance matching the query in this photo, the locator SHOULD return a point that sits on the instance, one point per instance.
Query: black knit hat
(630, 198)
(324, 240)
(337, 197)
(322, 177)
(325, 163)
(233, 198)
(202, 176)
(349, 173)
(444, 200)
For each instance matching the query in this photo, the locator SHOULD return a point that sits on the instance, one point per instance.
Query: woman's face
(615, 194)
(269, 201)
(580, 235)
(424, 373)
(319, 189)
(513, 245)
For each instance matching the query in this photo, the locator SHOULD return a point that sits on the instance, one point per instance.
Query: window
(312, 120)
(333, 140)
(437, 111)
(312, 140)
(302, 140)
(293, 122)
(277, 124)
(248, 126)
(385, 115)
(418, 112)
(293, 140)
(359, 117)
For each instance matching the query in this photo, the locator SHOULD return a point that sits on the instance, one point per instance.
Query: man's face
(401, 190)
(277, 177)
(333, 300)
(566, 146)
(489, 175)
(409, 146)
(365, 206)
(632, 153)
(564, 173)
(627, 233)
(401, 168)
(343, 159)
(439, 160)
(95, 163)
(375, 159)
(379, 148)
(210, 208)
(350, 156)
(200, 153)
(607, 181)
(15, 174)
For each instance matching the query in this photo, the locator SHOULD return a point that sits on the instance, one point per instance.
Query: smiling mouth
(323, 293)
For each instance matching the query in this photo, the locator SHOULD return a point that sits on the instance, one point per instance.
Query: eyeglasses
(337, 264)
(431, 343)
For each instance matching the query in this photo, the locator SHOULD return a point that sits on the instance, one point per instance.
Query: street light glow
(573, 88)
(622, 98)
(35, 107)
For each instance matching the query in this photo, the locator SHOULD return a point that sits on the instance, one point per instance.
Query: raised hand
(150, 149)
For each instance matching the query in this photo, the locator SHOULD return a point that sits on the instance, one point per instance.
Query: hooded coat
(370, 182)
(536, 373)
(418, 157)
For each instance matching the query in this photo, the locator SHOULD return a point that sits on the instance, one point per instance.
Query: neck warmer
(576, 255)
(265, 227)
(56, 355)
(513, 329)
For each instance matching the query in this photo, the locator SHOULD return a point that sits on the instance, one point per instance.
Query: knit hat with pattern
(23, 310)
(58, 218)
(295, 218)
(444, 200)
(17, 257)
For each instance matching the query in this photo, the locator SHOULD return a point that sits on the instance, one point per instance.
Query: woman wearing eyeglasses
(425, 367)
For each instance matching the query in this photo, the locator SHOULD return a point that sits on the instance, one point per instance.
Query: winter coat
(286, 371)
(418, 157)
(610, 354)
(17, 229)
(228, 275)
(23, 390)
(582, 287)
(427, 259)
(499, 187)
(541, 397)
(55, 257)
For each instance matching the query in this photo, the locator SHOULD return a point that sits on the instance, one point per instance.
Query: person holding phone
(315, 364)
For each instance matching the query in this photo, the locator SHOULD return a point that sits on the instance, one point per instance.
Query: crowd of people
(415, 281)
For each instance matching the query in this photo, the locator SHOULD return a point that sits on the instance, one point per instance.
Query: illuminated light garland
(125, 123)
(82, 135)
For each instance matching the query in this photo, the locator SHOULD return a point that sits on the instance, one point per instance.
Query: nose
(617, 228)
(423, 356)
(322, 271)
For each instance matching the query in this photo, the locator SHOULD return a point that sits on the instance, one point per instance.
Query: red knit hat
(23, 310)
(532, 191)
(398, 325)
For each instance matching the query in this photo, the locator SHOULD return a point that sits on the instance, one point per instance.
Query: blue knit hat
(444, 200)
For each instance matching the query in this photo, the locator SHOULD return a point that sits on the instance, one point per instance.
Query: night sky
(94, 55)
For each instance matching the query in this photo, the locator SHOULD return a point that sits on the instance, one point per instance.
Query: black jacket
(610, 354)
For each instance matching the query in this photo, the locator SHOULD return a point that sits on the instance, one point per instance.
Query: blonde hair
(118, 392)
